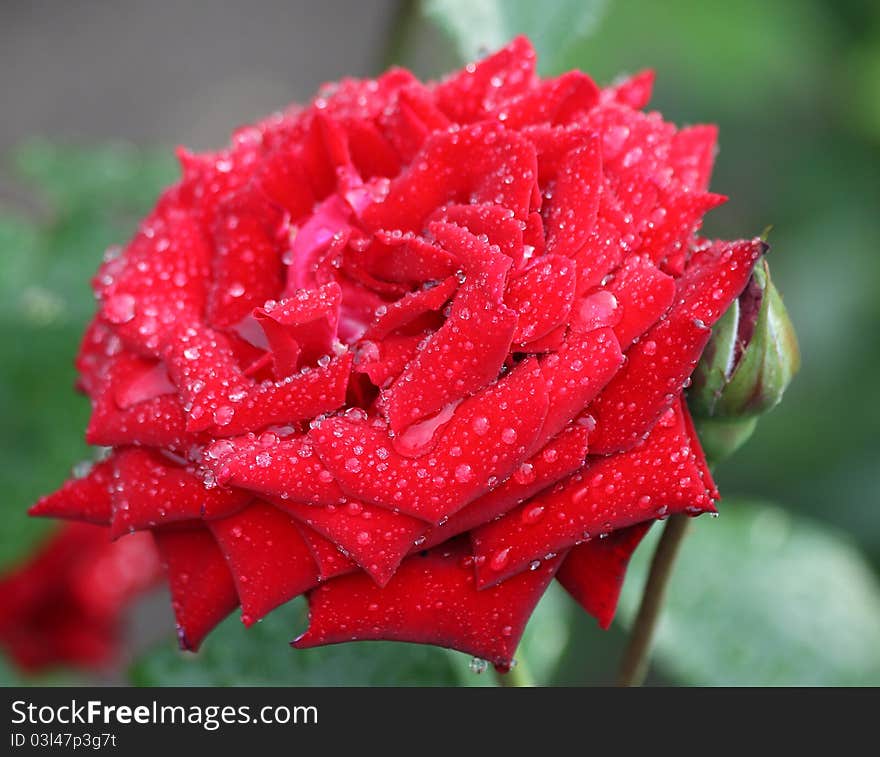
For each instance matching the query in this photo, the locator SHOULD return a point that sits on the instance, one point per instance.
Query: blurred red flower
(64, 606)
(414, 349)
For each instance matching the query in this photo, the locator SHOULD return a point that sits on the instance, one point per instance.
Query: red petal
(371, 153)
(692, 155)
(542, 296)
(97, 349)
(570, 215)
(149, 382)
(282, 178)
(151, 491)
(268, 558)
(157, 422)
(86, 498)
(324, 153)
(405, 310)
(415, 118)
(657, 478)
(683, 216)
(311, 240)
(331, 562)
(286, 468)
(561, 457)
(553, 145)
(643, 293)
(555, 101)
(407, 259)
(386, 360)
(472, 93)
(203, 367)
(634, 91)
(659, 365)
(375, 538)
(601, 254)
(484, 264)
(302, 328)
(593, 572)
(158, 281)
(247, 267)
(478, 164)
(699, 455)
(634, 144)
(488, 435)
(202, 590)
(462, 357)
(431, 600)
(576, 374)
(498, 224)
(109, 577)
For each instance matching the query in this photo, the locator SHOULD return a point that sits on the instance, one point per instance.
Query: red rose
(415, 350)
(65, 605)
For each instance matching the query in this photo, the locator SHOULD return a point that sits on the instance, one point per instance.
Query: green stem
(636, 658)
(403, 21)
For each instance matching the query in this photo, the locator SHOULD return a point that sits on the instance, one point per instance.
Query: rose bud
(747, 366)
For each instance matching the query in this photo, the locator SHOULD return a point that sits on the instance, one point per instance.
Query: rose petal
(375, 538)
(140, 386)
(634, 91)
(542, 296)
(478, 163)
(693, 154)
(430, 600)
(659, 365)
(499, 226)
(593, 572)
(556, 101)
(301, 328)
(488, 436)
(247, 266)
(331, 562)
(284, 468)
(158, 281)
(268, 557)
(472, 93)
(415, 118)
(202, 589)
(328, 220)
(576, 374)
(408, 308)
(151, 491)
(570, 214)
(561, 457)
(643, 294)
(657, 478)
(282, 178)
(85, 498)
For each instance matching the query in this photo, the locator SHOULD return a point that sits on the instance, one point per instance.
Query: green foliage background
(767, 594)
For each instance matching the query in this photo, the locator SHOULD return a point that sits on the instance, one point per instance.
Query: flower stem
(403, 20)
(636, 658)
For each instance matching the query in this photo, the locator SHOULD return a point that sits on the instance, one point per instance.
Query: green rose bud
(747, 366)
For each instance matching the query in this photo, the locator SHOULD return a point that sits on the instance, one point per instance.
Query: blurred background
(783, 587)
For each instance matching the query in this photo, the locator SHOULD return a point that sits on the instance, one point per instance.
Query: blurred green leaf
(74, 203)
(478, 26)
(760, 597)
